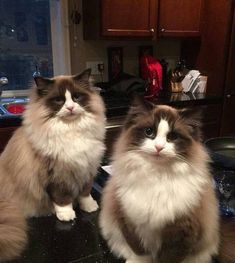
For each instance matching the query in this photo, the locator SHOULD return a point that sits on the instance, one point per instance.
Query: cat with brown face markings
(51, 160)
(159, 205)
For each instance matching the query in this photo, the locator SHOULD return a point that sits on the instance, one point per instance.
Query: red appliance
(15, 108)
(151, 70)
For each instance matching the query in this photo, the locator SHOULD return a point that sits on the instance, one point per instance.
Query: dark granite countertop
(184, 99)
(10, 122)
(119, 105)
(52, 241)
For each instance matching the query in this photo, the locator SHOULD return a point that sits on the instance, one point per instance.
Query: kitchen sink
(10, 107)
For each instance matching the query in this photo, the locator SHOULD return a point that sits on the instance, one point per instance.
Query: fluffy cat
(51, 160)
(159, 205)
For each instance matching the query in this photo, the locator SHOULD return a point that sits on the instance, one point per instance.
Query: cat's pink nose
(70, 108)
(159, 148)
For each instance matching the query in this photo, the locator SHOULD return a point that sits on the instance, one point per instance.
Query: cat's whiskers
(177, 156)
(47, 117)
(153, 153)
(140, 150)
(86, 106)
(183, 159)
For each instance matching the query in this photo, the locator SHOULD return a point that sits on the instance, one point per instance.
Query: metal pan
(222, 145)
(222, 151)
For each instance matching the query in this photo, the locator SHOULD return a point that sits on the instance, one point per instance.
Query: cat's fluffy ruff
(146, 197)
(48, 149)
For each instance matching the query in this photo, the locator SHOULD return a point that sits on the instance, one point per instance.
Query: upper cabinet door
(230, 76)
(180, 17)
(129, 18)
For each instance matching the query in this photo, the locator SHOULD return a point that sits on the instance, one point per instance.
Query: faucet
(3, 81)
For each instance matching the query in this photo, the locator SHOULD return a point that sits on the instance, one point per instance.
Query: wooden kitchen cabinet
(210, 54)
(228, 123)
(141, 18)
(214, 55)
(180, 18)
(129, 18)
(211, 117)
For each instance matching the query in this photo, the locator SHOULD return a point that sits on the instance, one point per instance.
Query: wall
(82, 51)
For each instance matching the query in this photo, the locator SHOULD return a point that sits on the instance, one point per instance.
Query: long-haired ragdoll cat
(51, 160)
(159, 205)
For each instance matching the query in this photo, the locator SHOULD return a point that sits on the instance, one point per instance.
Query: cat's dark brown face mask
(65, 96)
(161, 131)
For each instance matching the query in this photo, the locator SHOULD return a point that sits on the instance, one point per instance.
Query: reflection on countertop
(117, 105)
(178, 99)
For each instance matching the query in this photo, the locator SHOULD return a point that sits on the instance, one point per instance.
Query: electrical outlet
(94, 66)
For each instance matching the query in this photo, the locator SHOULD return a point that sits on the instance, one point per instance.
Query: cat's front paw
(65, 213)
(88, 204)
(139, 259)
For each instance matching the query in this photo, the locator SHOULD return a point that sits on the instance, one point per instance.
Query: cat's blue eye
(58, 100)
(149, 132)
(77, 97)
(172, 136)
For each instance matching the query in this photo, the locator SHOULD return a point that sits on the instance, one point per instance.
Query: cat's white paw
(139, 259)
(65, 213)
(88, 204)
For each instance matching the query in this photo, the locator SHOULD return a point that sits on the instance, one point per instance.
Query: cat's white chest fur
(77, 145)
(153, 197)
(73, 144)
(76, 151)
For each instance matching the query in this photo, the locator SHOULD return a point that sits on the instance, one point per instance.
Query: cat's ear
(140, 105)
(192, 118)
(84, 76)
(43, 84)
(191, 114)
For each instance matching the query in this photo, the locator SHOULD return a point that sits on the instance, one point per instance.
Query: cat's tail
(13, 233)
(227, 245)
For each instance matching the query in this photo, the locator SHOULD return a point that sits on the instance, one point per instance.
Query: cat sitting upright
(159, 205)
(51, 160)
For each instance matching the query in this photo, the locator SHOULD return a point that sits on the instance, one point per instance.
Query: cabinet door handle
(162, 29)
(152, 30)
(228, 96)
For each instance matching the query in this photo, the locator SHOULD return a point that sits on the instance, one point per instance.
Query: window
(34, 40)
